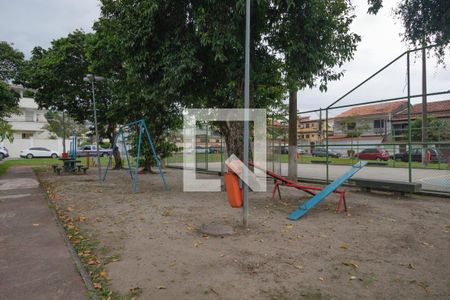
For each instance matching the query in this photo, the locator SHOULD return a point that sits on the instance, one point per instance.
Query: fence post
(206, 147)
(409, 115)
(326, 134)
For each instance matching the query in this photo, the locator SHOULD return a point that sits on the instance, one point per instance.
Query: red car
(374, 154)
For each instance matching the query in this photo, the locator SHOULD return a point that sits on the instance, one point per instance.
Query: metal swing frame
(142, 126)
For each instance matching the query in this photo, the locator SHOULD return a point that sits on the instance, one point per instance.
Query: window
(351, 126)
(26, 136)
(378, 124)
(307, 136)
(29, 116)
(307, 125)
(302, 126)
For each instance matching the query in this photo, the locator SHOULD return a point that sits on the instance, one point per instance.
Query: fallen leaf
(321, 278)
(82, 218)
(70, 209)
(190, 228)
(411, 266)
(298, 267)
(36, 224)
(97, 285)
(288, 226)
(103, 274)
(350, 264)
(344, 246)
(161, 287)
(352, 277)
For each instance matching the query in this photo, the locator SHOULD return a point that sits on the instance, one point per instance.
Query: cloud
(30, 23)
(381, 42)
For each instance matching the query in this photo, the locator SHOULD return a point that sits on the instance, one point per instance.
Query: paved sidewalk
(35, 262)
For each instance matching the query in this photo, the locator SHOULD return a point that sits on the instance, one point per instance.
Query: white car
(3, 152)
(38, 152)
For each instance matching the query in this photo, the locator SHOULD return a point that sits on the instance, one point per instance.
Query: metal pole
(326, 135)
(409, 115)
(96, 132)
(246, 109)
(64, 132)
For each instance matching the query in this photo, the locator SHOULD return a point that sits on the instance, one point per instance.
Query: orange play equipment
(234, 191)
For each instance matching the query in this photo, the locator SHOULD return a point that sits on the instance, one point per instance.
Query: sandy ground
(385, 247)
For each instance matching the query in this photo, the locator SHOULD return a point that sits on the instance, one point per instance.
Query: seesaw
(319, 194)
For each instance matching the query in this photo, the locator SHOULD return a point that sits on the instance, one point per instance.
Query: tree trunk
(117, 158)
(292, 165)
(234, 141)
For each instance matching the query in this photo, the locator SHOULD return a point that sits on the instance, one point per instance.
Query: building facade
(312, 131)
(28, 126)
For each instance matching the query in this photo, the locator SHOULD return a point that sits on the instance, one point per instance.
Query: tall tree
(425, 22)
(191, 53)
(60, 127)
(57, 73)
(11, 62)
(313, 37)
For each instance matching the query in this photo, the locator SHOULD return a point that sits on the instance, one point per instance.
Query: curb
(79, 265)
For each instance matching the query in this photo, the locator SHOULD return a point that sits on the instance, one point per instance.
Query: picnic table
(69, 164)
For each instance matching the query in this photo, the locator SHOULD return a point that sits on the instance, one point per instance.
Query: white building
(28, 128)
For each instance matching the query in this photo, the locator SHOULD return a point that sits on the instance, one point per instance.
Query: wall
(17, 145)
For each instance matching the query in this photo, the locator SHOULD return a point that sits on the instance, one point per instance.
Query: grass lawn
(307, 159)
(4, 165)
(37, 162)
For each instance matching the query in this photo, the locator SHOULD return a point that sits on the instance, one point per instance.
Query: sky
(30, 23)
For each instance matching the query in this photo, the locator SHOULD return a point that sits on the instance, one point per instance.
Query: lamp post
(246, 108)
(92, 79)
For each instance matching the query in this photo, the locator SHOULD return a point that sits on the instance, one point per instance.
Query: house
(28, 127)
(312, 131)
(436, 109)
(368, 121)
(366, 125)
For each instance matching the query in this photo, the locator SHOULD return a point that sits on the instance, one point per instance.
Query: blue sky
(29, 23)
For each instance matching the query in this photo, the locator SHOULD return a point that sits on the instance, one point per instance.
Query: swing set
(141, 127)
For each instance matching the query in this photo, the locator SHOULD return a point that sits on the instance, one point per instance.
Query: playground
(385, 246)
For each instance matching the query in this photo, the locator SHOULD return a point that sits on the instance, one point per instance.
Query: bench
(400, 187)
(320, 161)
(84, 169)
(377, 163)
(54, 168)
(58, 170)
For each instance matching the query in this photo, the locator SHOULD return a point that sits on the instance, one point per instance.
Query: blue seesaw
(305, 207)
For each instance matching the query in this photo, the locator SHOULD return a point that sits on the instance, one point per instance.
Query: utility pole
(424, 106)
(91, 78)
(246, 111)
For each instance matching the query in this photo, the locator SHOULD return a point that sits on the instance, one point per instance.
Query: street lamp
(92, 78)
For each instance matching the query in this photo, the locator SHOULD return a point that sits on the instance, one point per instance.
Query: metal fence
(390, 138)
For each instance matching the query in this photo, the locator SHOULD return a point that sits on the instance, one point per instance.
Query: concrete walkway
(35, 262)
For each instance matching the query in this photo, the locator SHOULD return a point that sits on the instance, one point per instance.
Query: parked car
(215, 150)
(374, 154)
(322, 152)
(38, 152)
(301, 150)
(200, 149)
(3, 152)
(416, 155)
(91, 151)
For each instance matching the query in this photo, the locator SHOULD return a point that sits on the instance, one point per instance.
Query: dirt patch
(386, 247)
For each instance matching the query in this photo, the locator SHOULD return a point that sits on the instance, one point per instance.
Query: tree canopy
(425, 22)
(11, 62)
(191, 53)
